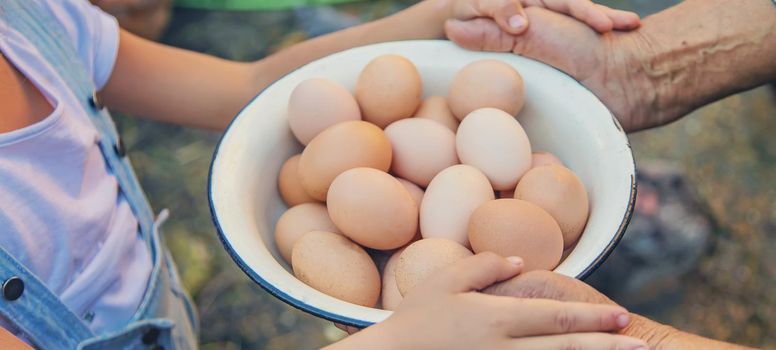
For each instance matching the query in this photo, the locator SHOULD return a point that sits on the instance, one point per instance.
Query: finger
(508, 14)
(479, 34)
(475, 273)
(548, 285)
(532, 317)
(583, 10)
(622, 20)
(581, 341)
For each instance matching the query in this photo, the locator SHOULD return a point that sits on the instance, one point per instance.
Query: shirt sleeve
(94, 33)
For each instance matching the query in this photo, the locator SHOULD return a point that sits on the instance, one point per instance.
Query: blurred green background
(727, 150)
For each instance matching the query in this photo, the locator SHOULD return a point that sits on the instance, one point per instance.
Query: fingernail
(516, 21)
(623, 320)
(514, 260)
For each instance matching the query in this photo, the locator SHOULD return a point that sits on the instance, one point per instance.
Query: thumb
(475, 273)
(508, 14)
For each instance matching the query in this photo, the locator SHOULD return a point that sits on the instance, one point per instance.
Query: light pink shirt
(61, 213)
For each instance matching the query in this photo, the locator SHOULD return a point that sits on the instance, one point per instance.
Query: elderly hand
(678, 60)
(550, 285)
(607, 64)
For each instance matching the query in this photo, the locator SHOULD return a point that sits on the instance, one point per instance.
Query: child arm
(167, 84)
(173, 85)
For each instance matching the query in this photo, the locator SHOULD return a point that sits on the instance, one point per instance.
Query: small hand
(447, 312)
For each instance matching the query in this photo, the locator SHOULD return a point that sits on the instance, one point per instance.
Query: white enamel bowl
(560, 116)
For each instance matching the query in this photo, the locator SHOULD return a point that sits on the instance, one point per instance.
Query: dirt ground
(726, 149)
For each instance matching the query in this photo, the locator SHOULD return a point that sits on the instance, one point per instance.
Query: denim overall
(165, 318)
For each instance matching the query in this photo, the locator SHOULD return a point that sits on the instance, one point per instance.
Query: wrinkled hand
(608, 64)
(550, 285)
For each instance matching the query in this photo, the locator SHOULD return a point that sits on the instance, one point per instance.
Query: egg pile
(389, 181)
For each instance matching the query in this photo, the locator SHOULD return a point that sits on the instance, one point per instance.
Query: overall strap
(35, 310)
(39, 27)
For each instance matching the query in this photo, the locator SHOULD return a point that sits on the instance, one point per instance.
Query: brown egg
(486, 83)
(343, 146)
(544, 158)
(372, 208)
(334, 265)
(421, 149)
(424, 257)
(559, 191)
(299, 220)
(391, 297)
(289, 184)
(436, 109)
(513, 227)
(388, 89)
(316, 104)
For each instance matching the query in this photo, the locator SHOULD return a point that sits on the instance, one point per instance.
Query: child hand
(511, 17)
(447, 312)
